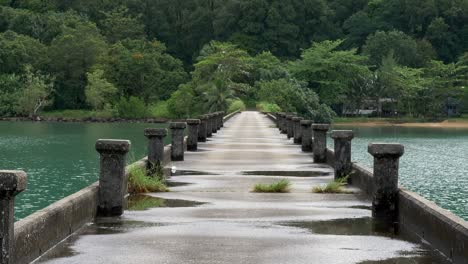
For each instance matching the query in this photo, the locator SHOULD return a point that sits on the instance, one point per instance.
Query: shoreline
(444, 124)
(82, 120)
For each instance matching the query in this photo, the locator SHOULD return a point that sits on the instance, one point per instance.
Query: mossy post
(155, 148)
(385, 196)
(297, 129)
(193, 127)
(11, 184)
(306, 126)
(202, 129)
(289, 126)
(320, 142)
(343, 165)
(177, 134)
(112, 180)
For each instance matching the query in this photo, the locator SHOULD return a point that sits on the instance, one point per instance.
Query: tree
(119, 25)
(182, 103)
(99, 91)
(10, 86)
(35, 94)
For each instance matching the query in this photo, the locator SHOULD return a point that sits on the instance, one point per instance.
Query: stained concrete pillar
(177, 134)
(192, 141)
(306, 132)
(223, 114)
(202, 129)
(155, 148)
(112, 180)
(214, 126)
(218, 121)
(11, 184)
(385, 196)
(209, 124)
(289, 126)
(320, 142)
(343, 163)
(297, 129)
(283, 123)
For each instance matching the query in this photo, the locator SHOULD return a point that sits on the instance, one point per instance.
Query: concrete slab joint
(112, 180)
(385, 196)
(320, 142)
(343, 165)
(177, 144)
(11, 184)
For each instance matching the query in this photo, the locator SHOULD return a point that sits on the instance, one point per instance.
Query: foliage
(335, 186)
(139, 182)
(236, 105)
(10, 87)
(281, 186)
(160, 109)
(132, 107)
(180, 105)
(268, 107)
(35, 94)
(99, 91)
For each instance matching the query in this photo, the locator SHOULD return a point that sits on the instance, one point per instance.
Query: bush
(133, 107)
(235, 105)
(277, 187)
(160, 110)
(268, 107)
(139, 182)
(335, 186)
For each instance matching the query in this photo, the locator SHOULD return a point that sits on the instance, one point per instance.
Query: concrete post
(385, 196)
(112, 180)
(214, 128)
(290, 127)
(283, 123)
(223, 114)
(343, 165)
(192, 141)
(320, 142)
(297, 129)
(306, 126)
(155, 148)
(218, 121)
(11, 184)
(209, 130)
(202, 129)
(177, 134)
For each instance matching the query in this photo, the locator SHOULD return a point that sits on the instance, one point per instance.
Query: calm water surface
(435, 163)
(59, 158)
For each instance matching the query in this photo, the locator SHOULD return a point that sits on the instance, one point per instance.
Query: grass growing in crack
(139, 182)
(277, 187)
(335, 186)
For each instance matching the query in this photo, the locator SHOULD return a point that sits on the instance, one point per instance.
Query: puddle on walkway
(365, 226)
(191, 173)
(425, 259)
(143, 202)
(177, 184)
(287, 173)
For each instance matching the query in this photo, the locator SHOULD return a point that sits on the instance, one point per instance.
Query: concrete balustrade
(385, 180)
(112, 180)
(214, 127)
(177, 143)
(209, 125)
(193, 127)
(289, 126)
(297, 129)
(306, 132)
(155, 148)
(202, 129)
(222, 118)
(320, 142)
(11, 184)
(343, 165)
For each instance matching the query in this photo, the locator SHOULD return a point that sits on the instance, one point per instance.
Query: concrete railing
(414, 215)
(29, 238)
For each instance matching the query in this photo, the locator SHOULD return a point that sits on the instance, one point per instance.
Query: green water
(59, 158)
(435, 163)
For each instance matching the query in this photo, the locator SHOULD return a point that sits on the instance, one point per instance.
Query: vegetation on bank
(139, 58)
(281, 186)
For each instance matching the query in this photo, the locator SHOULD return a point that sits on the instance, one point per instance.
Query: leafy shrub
(268, 107)
(235, 105)
(160, 110)
(277, 187)
(133, 107)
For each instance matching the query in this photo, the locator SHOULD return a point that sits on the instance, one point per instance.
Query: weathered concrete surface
(235, 225)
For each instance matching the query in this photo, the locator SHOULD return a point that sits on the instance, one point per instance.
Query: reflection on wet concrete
(142, 202)
(428, 259)
(288, 173)
(177, 184)
(191, 173)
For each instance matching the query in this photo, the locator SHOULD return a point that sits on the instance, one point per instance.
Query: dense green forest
(180, 58)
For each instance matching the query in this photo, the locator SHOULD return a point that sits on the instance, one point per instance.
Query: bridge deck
(213, 217)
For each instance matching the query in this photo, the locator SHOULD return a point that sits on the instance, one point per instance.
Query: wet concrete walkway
(211, 215)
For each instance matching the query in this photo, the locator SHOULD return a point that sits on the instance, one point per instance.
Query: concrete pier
(212, 216)
(192, 140)
(306, 126)
(155, 147)
(177, 143)
(320, 142)
(343, 165)
(297, 129)
(202, 129)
